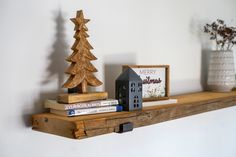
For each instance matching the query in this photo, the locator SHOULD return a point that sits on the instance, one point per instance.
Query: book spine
(76, 112)
(91, 104)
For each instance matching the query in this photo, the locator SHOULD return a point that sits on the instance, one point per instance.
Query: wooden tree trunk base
(75, 97)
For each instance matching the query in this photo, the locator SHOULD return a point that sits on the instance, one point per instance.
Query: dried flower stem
(223, 35)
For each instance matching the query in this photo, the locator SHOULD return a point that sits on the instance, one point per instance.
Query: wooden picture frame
(155, 80)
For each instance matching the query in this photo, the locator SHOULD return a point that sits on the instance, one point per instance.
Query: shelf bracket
(126, 127)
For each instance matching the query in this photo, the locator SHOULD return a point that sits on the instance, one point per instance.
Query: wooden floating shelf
(98, 124)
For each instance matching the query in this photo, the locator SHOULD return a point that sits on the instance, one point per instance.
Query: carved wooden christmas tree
(81, 70)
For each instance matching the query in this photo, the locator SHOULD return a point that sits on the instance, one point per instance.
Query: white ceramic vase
(221, 71)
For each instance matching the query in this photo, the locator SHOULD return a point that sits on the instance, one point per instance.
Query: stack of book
(83, 108)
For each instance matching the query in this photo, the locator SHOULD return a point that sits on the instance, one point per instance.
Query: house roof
(129, 75)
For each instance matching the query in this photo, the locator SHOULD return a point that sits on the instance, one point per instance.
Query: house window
(132, 84)
(139, 89)
(136, 101)
(123, 87)
(132, 89)
(120, 95)
(140, 84)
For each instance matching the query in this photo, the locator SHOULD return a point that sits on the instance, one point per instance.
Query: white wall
(34, 41)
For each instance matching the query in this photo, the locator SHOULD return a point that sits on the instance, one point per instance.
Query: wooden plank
(93, 125)
(75, 97)
(53, 125)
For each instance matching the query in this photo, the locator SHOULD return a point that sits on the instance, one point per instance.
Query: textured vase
(221, 71)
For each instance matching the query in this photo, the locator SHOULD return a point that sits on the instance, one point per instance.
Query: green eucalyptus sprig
(223, 35)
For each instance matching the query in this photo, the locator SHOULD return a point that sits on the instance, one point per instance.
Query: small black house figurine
(129, 90)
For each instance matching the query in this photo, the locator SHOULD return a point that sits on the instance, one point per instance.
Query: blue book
(86, 111)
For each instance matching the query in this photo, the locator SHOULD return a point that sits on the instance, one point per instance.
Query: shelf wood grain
(92, 125)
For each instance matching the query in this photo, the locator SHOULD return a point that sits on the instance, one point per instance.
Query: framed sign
(155, 79)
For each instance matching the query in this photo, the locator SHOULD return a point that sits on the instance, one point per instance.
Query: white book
(59, 106)
(160, 102)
